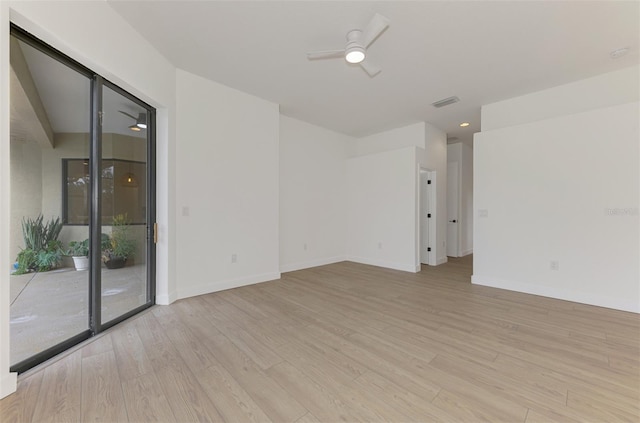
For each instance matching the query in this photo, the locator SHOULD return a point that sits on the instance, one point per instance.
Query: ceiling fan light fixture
(355, 55)
(358, 40)
(141, 122)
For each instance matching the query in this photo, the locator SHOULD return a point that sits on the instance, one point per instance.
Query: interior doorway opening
(427, 226)
(453, 206)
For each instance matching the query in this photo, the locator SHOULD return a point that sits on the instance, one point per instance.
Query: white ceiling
(480, 51)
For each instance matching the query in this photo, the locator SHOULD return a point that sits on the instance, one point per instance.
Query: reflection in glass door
(50, 121)
(123, 198)
(82, 200)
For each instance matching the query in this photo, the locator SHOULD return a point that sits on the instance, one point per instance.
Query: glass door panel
(124, 194)
(82, 185)
(50, 124)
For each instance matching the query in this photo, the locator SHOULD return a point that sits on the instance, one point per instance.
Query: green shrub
(118, 244)
(26, 259)
(37, 234)
(47, 260)
(42, 250)
(78, 248)
(81, 248)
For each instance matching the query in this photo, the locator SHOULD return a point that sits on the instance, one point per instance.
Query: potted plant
(79, 252)
(118, 247)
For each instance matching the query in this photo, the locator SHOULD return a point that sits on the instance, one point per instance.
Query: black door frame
(95, 325)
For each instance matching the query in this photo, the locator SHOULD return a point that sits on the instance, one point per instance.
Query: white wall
(111, 47)
(462, 153)
(466, 199)
(7, 379)
(406, 136)
(381, 209)
(430, 146)
(562, 188)
(434, 158)
(610, 89)
(312, 195)
(228, 177)
(26, 192)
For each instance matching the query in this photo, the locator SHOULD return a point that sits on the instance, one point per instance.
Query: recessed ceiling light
(464, 124)
(617, 53)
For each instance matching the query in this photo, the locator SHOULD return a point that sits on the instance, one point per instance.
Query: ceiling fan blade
(127, 114)
(327, 54)
(370, 68)
(377, 25)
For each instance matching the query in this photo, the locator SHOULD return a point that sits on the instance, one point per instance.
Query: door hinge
(100, 116)
(155, 233)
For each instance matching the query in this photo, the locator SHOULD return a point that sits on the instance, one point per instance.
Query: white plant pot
(81, 263)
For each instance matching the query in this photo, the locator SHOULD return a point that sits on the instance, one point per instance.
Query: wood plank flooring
(349, 342)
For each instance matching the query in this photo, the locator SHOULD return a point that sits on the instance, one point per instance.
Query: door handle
(453, 221)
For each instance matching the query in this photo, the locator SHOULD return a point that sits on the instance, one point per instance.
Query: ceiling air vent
(445, 102)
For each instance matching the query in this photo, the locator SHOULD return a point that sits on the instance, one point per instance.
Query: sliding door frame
(95, 212)
(150, 214)
(97, 82)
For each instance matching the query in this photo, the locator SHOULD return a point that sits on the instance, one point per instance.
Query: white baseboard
(166, 299)
(311, 263)
(209, 287)
(466, 252)
(557, 293)
(441, 260)
(388, 264)
(8, 384)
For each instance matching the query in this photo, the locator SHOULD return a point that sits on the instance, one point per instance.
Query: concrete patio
(49, 307)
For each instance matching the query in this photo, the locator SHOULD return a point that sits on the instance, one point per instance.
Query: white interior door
(452, 208)
(424, 217)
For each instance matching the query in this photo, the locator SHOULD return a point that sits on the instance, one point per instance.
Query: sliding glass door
(82, 203)
(123, 197)
(50, 121)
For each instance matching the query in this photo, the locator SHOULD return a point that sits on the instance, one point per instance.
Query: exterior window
(123, 190)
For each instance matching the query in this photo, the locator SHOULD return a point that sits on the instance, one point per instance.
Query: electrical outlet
(483, 213)
(554, 265)
(234, 258)
(379, 245)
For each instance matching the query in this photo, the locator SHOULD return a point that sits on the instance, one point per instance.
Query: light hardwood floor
(349, 342)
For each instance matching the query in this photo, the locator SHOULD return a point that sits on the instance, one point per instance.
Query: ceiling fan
(141, 121)
(357, 43)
